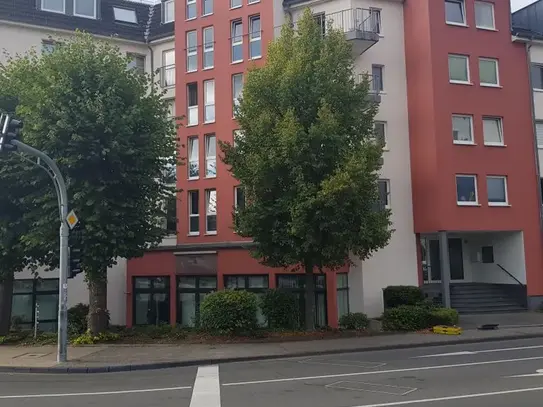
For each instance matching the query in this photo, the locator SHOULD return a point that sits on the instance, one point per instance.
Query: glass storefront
(191, 291)
(30, 294)
(151, 300)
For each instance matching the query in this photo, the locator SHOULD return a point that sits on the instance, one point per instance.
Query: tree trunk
(6, 295)
(309, 298)
(98, 319)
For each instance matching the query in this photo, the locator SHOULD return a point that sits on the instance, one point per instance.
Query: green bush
(281, 309)
(229, 312)
(443, 316)
(398, 295)
(406, 318)
(354, 321)
(88, 339)
(77, 319)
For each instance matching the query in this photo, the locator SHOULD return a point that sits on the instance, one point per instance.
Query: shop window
(342, 282)
(27, 294)
(295, 283)
(191, 291)
(151, 300)
(254, 284)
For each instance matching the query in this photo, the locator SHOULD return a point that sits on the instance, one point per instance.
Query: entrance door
(456, 260)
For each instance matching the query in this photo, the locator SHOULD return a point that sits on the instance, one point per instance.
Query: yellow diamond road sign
(72, 219)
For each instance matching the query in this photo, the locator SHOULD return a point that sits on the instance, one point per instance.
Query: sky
(518, 4)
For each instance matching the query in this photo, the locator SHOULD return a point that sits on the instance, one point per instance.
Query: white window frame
(190, 143)
(168, 70)
(209, 158)
(165, 6)
(236, 41)
(504, 178)
(379, 26)
(93, 17)
(252, 37)
(466, 203)
(472, 138)
(195, 215)
(209, 104)
(115, 9)
(235, 101)
(192, 108)
(208, 197)
(463, 4)
(384, 123)
(253, 1)
(387, 183)
(191, 51)
(499, 120)
(212, 8)
(482, 27)
(232, 6)
(54, 11)
(188, 4)
(381, 75)
(497, 65)
(208, 47)
(466, 58)
(236, 191)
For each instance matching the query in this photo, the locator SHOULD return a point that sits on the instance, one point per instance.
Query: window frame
(237, 204)
(497, 66)
(208, 157)
(377, 22)
(236, 135)
(539, 123)
(342, 289)
(381, 87)
(115, 8)
(253, 1)
(253, 39)
(192, 52)
(539, 66)
(504, 179)
(207, 214)
(386, 182)
(34, 294)
(207, 48)
(196, 215)
(188, 5)
(135, 57)
(467, 203)
(193, 108)
(190, 143)
(499, 120)
(165, 5)
(235, 100)
(463, 9)
(466, 59)
(197, 290)
(83, 15)
(204, 14)
(234, 42)
(168, 70)
(472, 136)
(209, 104)
(232, 6)
(152, 291)
(42, 8)
(385, 138)
(492, 9)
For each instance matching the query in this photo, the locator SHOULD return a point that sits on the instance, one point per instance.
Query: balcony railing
(167, 76)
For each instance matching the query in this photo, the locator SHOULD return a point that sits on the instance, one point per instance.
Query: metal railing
(509, 274)
(167, 76)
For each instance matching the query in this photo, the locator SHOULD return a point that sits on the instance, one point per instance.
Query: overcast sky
(516, 4)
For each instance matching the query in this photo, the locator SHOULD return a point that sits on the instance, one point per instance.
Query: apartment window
(458, 69)
(56, 6)
(211, 156)
(255, 37)
(375, 19)
(539, 133)
(235, 3)
(194, 161)
(168, 68)
(211, 211)
(488, 72)
(239, 197)
(255, 284)
(168, 11)
(125, 15)
(295, 284)
(237, 88)
(209, 101)
(496, 190)
(377, 78)
(493, 131)
(85, 8)
(455, 12)
(462, 129)
(384, 193)
(191, 9)
(320, 19)
(194, 213)
(137, 62)
(209, 47)
(191, 291)
(207, 7)
(237, 41)
(379, 131)
(192, 96)
(484, 15)
(537, 76)
(466, 190)
(342, 284)
(31, 293)
(171, 108)
(192, 51)
(151, 300)
(237, 135)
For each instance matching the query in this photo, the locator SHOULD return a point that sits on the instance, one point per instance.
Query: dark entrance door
(456, 259)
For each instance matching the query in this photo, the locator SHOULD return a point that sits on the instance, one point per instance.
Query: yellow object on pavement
(447, 330)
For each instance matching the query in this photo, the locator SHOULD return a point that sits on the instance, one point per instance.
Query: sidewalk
(116, 358)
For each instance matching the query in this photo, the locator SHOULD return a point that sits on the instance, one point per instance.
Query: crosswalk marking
(207, 390)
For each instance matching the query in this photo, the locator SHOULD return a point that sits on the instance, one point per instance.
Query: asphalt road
(497, 374)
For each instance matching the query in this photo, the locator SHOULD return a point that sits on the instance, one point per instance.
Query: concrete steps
(478, 298)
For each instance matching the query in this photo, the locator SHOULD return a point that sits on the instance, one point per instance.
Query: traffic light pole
(60, 186)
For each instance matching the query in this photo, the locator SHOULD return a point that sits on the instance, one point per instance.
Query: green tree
(109, 132)
(308, 158)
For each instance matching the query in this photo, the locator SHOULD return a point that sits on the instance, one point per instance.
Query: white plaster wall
(536, 56)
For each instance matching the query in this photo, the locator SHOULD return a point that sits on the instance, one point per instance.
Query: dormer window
(168, 11)
(84, 8)
(54, 6)
(125, 15)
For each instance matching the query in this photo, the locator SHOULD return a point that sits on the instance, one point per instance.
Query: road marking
(375, 388)
(538, 372)
(98, 393)
(207, 389)
(478, 351)
(410, 369)
(344, 363)
(463, 396)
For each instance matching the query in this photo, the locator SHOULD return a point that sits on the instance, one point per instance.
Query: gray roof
(148, 27)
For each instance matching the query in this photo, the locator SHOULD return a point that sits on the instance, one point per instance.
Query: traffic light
(10, 130)
(74, 256)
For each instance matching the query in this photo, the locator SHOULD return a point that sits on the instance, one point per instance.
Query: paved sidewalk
(110, 358)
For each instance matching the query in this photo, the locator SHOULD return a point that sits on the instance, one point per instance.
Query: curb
(214, 361)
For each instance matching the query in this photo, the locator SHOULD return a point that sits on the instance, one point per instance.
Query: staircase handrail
(510, 275)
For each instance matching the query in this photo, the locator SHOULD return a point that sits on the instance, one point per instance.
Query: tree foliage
(109, 132)
(308, 158)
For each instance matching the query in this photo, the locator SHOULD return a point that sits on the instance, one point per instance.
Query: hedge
(229, 312)
(443, 316)
(416, 317)
(395, 296)
(354, 321)
(281, 309)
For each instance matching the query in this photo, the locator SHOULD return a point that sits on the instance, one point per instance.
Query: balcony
(167, 76)
(361, 27)
(373, 92)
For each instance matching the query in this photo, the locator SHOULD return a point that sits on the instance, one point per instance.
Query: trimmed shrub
(406, 318)
(443, 316)
(281, 309)
(77, 319)
(398, 295)
(354, 321)
(229, 312)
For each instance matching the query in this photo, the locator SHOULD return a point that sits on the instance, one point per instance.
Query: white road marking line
(98, 393)
(375, 372)
(479, 351)
(463, 396)
(207, 389)
(538, 372)
(406, 390)
(369, 365)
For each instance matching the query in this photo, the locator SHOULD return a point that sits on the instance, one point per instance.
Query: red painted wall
(432, 100)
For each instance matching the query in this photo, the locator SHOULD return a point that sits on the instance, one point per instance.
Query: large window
(488, 72)
(31, 294)
(459, 69)
(377, 78)
(497, 190)
(211, 211)
(254, 284)
(85, 8)
(151, 300)
(168, 68)
(466, 190)
(211, 156)
(237, 89)
(255, 38)
(194, 213)
(342, 283)
(237, 41)
(194, 160)
(125, 15)
(209, 101)
(493, 131)
(192, 51)
(56, 6)
(455, 12)
(207, 7)
(484, 15)
(209, 48)
(191, 291)
(191, 9)
(462, 129)
(192, 105)
(235, 3)
(168, 11)
(295, 283)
